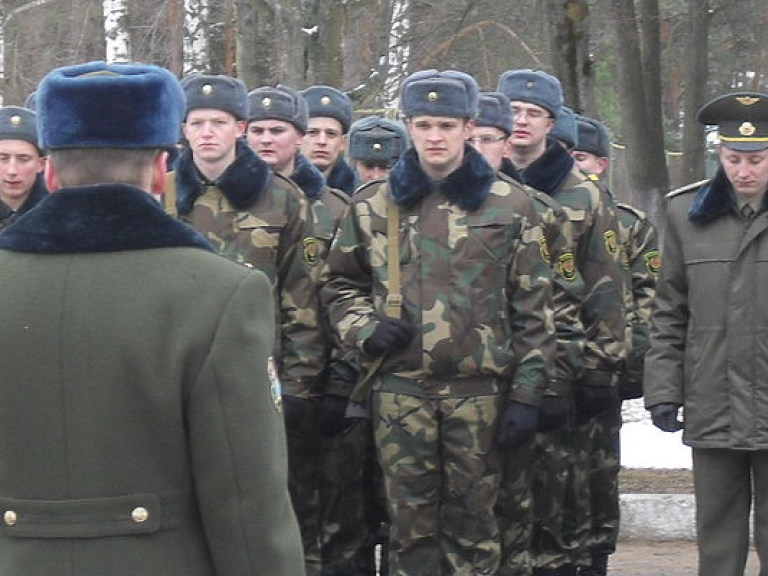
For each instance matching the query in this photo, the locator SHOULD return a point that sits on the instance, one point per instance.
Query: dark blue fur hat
(18, 123)
(593, 137)
(278, 103)
(218, 92)
(327, 101)
(494, 111)
(375, 139)
(451, 94)
(100, 105)
(564, 128)
(533, 86)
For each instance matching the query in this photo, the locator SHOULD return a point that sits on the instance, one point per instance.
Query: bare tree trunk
(175, 24)
(196, 45)
(324, 50)
(646, 162)
(568, 25)
(695, 81)
(117, 37)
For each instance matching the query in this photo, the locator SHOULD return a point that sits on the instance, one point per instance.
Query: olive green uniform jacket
(140, 430)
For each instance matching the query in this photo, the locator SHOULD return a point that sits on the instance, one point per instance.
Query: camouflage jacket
(327, 208)
(259, 219)
(641, 260)
(596, 248)
(473, 281)
(567, 287)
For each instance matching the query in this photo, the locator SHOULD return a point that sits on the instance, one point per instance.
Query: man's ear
(159, 171)
(51, 178)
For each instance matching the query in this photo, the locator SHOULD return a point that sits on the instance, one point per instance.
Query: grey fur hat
(493, 110)
(375, 139)
(592, 137)
(534, 86)
(327, 101)
(451, 93)
(17, 123)
(565, 128)
(278, 103)
(218, 92)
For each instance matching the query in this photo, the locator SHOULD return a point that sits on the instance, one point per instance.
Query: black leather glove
(299, 413)
(390, 334)
(591, 401)
(554, 412)
(664, 417)
(333, 420)
(518, 424)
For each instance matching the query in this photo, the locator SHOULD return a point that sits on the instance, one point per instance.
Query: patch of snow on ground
(645, 446)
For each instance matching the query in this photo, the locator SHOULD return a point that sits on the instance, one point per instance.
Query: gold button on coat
(10, 518)
(139, 514)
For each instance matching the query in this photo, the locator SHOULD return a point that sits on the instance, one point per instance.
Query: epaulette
(593, 177)
(631, 209)
(688, 188)
(340, 194)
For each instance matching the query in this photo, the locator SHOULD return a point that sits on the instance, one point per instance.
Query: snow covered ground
(645, 446)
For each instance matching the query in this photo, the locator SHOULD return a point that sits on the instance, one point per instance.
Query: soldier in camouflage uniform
(21, 164)
(259, 218)
(531, 463)
(544, 164)
(458, 364)
(330, 525)
(640, 261)
(375, 144)
(330, 117)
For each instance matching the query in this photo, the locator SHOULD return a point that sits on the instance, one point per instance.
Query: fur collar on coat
(308, 177)
(467, 187)
(549, 170)
(101, 218)
(37, 193)
(241, 183)
(342, 177)
(714, 199)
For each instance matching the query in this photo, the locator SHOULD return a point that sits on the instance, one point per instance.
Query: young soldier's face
(439, 142)
(276, 141)
(369, 170)
(324, 142)
(747, 171)
(530, 124)
(20, 163)
(491, 142)
(212, 134)
(590, 163)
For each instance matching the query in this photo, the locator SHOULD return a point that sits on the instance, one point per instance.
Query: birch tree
(398, 52)
(196, 45)
(118, 40)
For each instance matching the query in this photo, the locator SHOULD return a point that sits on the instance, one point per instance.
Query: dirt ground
(678, 558)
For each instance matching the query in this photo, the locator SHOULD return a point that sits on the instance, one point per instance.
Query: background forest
(643, 67)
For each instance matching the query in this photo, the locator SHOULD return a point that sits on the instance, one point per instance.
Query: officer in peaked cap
(375, 144)
(330, 117)
(22, 162)
(707, 352)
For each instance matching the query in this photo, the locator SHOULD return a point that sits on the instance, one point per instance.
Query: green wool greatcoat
(140, 433)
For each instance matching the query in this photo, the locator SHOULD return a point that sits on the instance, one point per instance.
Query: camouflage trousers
(605, 463)
(514, 508)
(345, 500)
(441, 477)
(304, 466)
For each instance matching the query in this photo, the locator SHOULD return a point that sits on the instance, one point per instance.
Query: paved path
(678, 558)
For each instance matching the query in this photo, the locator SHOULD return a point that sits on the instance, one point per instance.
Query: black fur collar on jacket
(714, 199)
(36, 193)
(342, 176)
(467, 187)
(548, 171)
(508, 169)
(101, 218)
(241, 183)
(308, 177)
